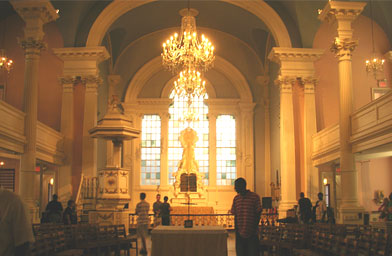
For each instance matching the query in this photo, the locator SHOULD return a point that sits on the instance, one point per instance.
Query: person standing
(305, 208)
(54, 209)
(16, 233)
(247, 210)
(69, 215)
(165, 212)
(321, 208)
(142, 209)
(156, 208)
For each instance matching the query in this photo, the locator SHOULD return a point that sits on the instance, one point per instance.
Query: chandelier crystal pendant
(374, 65)
(5, 63)
(189, 84)
(185, 49)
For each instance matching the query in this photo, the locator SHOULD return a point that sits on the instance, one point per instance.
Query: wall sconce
(325, 181)
(51, 181)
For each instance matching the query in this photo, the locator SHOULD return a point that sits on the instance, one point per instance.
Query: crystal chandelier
(185, 50)
(5, 63)
(189, 84)
(375, 65)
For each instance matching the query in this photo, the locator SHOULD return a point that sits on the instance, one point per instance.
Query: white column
(295, 63)
(287, 146)
(67, 129)
(82, 63)
(35, 14)
(310, 128)
(89, 145)
(344, 13)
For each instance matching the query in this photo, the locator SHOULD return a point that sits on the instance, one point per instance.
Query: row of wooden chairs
(82, 239)
(325, 240)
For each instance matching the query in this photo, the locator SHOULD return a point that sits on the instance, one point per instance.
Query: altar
(196, 241)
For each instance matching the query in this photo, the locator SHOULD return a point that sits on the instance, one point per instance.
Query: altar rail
(224, 220)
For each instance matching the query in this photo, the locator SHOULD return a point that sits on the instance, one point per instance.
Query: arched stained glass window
(226, 163)
(177, 124)
(151, 150)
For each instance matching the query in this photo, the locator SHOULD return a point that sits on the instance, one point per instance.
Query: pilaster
(212, 149)
(264, 81)
(67, 129)
(35, 14)
(247, 143)
(343, 14)
(164, 145)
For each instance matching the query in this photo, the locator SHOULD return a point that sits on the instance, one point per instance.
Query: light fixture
(185, 49)
(189, 84)
(374, 65)
(325, 181)
(2, 163)
(51, 181)
(5, 62)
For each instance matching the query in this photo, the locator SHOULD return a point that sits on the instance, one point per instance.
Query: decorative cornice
(343, 48)
(279, 54)
(96, 53)
(335, 10)
(29, 10)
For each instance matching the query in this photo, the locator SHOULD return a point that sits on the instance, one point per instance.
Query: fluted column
(310, 128)
(344, 13)
(287, 145)
(35, 14)
(67, 129)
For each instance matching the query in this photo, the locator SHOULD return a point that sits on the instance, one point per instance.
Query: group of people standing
(54, 212)
(313, 214)
(161, 215)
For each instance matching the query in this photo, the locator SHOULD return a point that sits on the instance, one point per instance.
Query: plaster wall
(373, 175)
(327, 90)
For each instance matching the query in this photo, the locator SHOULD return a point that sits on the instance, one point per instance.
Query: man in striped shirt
(246, 209)
(142, 209)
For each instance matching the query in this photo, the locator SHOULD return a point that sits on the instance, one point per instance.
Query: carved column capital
(35, 14)
(286, 83)
(32, 46)
(343, 48)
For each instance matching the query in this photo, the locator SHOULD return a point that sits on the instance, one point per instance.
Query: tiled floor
(230, 245)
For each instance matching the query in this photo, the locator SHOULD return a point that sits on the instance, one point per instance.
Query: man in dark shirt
(69, 215)
(165, 212)
(54, 210)
(247, 210)
(305, 208)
